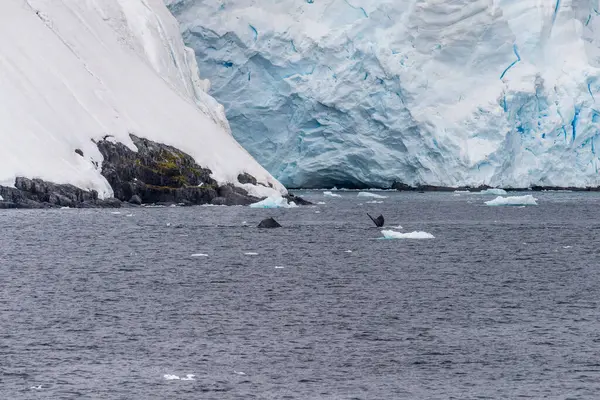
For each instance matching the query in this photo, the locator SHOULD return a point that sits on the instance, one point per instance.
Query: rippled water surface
(502, 304)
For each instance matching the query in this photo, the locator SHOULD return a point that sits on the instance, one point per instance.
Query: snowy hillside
(439, 92)
(72, 71)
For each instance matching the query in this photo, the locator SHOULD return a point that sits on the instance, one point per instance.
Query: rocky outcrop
(36, 193)
(158, 173)
(154, 174)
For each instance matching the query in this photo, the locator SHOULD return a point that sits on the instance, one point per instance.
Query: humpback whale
(269, 223)
(379, 221)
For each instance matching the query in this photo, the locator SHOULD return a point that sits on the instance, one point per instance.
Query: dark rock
(135, 199)
(79, 151)
(36, 193)
(298, 200)
(219, 201)
(247, 178)
(269, 223)
(158, 173)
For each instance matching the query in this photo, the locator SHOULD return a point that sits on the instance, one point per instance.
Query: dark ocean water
(502, 304)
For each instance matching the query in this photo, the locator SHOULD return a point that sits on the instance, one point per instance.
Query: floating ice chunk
(279, 267)
(1, 198)
(527, 200)
(116, 212)
(250, 254)
(170, 377)
(129, 215)
(397, 227)
(199, 255)
(330, 194)
(374, 202)
(239, 372)
(372, 195)
(38, 387)
(317, 212)
(274, 202)
(567, 247)
(168, 224)
(189, 377)
(410, 235)
(348, 251)
(497, 192)
(321, 203)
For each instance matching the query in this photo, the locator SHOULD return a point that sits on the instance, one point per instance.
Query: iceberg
(371, 195)
(497, 192)
(274, 202)
(527, 200)
(453, 93)
(389, 234)
(77, 72)
(331, 194)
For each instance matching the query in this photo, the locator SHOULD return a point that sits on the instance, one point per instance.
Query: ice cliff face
(439, 92)
(72, 71)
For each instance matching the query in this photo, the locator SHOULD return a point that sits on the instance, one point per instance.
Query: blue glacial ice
(274, 202)
(527, 200)
(360, 93)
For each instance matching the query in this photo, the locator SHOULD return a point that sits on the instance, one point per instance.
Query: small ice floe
(493, 191)
(168, 224)
(239, 373)
(397, 227)
(567, 247)
(129, 215)
(199, 255)
(276, 267)
(170, 377)
(62, 208)
(250, 254)
(244, 223)
(374, 202)
(348, 251)
(317, 212)
(321, 203)
(274, 202)
(527, 200)
(38, 387)
(1, 198)
(116, 212)
(387, 234)
(331, 194)
(371, 195)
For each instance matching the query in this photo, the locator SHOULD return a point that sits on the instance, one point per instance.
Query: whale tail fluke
(379, 221)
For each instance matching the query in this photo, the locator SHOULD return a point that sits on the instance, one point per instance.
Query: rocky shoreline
(155, 174)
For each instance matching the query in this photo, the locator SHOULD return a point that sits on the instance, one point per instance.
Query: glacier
(362, 93)
(73, 72)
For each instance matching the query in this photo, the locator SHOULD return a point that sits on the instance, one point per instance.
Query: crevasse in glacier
(438, 92)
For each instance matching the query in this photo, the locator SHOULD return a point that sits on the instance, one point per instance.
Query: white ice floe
(38, 387)
(250, 254)
(388, 234)
(372, 195)
(199, 255)
(348, 251)
(331, 194)
(527, 200)
(374, 202)
(279, 267)
(239, 372)
(1, 198)
(321, 203)
(170, 377)
(497, 192)
(274, 202)
(116, 212)
(397, 227)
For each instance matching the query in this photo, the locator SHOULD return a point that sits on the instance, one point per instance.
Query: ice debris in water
(116, 212)
(321, 203)
(374, 202)
(251, 254)
(397, 227)
(1, 198)
(239, 372)
(388, 234)
(38, 387)
(497, 192)
(188, 377)
(372, 195)
(331, 194)
(527, 200)
(274, 202)
(348, 251)
(199, 255)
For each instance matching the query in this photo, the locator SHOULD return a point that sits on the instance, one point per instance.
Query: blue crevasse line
(254, 31)
(516, 51)
(358, 8)
(556, 7)
(595, 116)
(574, 122)
(588, 20)
(294, 46)
(590, 91)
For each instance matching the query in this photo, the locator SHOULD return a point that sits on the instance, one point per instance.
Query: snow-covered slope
(439, 92)
(74, 70)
